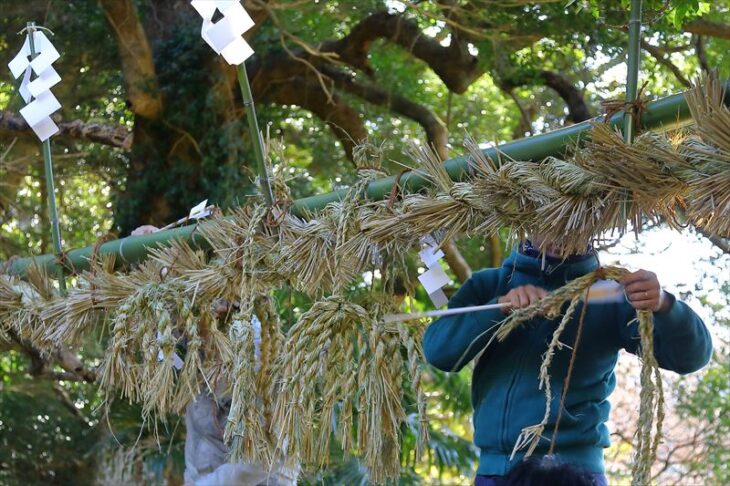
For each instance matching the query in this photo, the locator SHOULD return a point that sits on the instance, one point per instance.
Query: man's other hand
(523, 296)
(644, 292)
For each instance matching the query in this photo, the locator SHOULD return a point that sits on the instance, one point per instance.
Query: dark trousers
(598, 480)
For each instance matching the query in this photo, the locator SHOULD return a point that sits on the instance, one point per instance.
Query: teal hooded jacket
(505, 393)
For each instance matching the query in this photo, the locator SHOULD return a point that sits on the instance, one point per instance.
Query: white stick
(603, 291)
(439, 313)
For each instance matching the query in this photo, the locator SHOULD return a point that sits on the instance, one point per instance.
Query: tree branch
(67, 360)
(344, 122)
(699, 42)
(136, 56)
(658, 54)
(435, 128)
(577, 107)
(114, 136)
(525, 125)
(40, 365)
(436, 133)
(68, 403)
(708, 28)
(456, 67)
(456, 261)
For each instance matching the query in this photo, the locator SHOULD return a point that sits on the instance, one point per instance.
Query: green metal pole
(50, 187)
(633, 64)
(664, 113)
(253, 126)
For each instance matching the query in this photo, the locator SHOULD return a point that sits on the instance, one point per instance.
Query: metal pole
(50, 187)
(256, 140)
(664, 113)
(633, 63)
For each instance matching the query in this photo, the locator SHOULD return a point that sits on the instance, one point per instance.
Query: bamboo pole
(253, 126)
(633, 64)
(50, 186)
(660, 114)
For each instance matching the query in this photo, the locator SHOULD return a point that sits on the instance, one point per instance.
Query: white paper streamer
(37, 93)
(434, 278)
(225, 35)
(200, 211)
(177, 361)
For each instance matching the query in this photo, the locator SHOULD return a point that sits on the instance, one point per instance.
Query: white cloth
(206, 453)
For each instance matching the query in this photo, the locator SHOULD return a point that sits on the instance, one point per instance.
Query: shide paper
(225, 34)
(37, 92)
(434, 278)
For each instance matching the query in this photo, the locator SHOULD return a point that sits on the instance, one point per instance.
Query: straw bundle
(651, 408)
(96, 293)
(709, 153)
(160, 334)
(452, 207)
(317, 373)
(244, 255)
(21, 304)
(332, 248)
(504, 192)
(342, 368)
(246, 428)
(308, 253)
(531, 436)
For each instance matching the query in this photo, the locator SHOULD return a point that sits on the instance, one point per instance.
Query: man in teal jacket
(505, 394)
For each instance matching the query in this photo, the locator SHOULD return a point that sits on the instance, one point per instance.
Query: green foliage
(704, 400)
(41, 441)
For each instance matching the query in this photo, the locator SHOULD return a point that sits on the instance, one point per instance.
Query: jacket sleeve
(452, 341)
(682, 343)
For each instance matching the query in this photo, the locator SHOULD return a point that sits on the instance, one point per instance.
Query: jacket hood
(551, 270)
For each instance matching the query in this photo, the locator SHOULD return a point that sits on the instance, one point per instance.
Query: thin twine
(66, 262)
(635, 107)
(272, 220)
(566, 385)
(95, 250)
(121, 249)
(165, 271)
(396, 188)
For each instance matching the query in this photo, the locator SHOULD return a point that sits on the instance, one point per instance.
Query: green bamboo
(50, 187)
(253, 126)
(633, 64)
(664, 113)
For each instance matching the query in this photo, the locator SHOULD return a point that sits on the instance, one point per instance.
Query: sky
(687, 265)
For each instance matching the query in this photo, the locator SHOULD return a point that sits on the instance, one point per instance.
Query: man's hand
(644, 292)
(523, 296)
(145, 230)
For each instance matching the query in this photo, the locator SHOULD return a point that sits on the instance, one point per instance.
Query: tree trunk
(190, 134)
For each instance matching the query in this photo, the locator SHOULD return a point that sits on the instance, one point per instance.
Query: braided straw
(651, 408)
